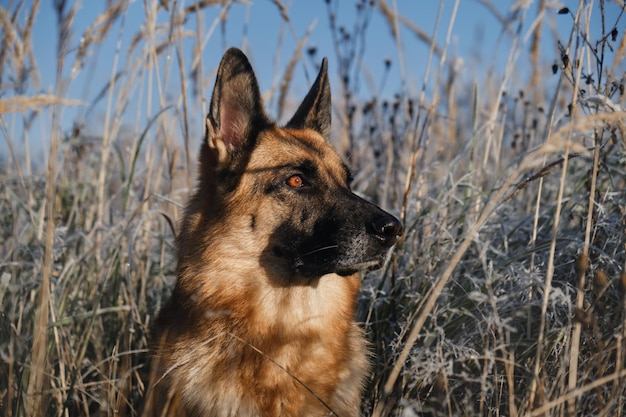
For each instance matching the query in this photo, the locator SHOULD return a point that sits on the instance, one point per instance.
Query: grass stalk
(555, 231)
(183, 84)
(107, 137)
(39, 370)
(580, 296)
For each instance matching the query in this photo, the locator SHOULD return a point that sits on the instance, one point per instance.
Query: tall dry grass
(505, 296)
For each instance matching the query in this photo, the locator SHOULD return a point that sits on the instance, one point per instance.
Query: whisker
(319, 250)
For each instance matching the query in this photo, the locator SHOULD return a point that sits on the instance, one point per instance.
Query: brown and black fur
(261, 321)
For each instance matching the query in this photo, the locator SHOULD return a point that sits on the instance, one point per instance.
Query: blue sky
(476, 30)
(477, 39)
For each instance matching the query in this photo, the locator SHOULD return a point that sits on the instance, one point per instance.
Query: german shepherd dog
(261, 321)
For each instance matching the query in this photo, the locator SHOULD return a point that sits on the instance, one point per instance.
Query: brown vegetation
(506, 295)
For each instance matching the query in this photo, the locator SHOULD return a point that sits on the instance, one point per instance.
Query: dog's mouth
(329, 261)
(345, 271)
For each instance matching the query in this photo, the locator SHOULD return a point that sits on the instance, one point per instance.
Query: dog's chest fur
(287, 352)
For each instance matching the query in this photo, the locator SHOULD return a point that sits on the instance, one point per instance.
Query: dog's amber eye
(295, 181)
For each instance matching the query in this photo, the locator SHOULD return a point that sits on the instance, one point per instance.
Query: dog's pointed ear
(236, 108)
(315, 112)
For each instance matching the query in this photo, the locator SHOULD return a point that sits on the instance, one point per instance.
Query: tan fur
(241, 337)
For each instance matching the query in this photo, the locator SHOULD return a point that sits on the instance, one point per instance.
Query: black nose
(387, 229)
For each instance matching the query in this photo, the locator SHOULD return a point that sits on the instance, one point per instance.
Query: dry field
(506, 295)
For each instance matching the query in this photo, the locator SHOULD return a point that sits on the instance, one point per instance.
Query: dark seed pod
(600, 281)
(439, 385)
(581, 316)
(581, 264)
(622, 285)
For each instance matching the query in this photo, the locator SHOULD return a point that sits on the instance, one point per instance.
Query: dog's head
(281, 195)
